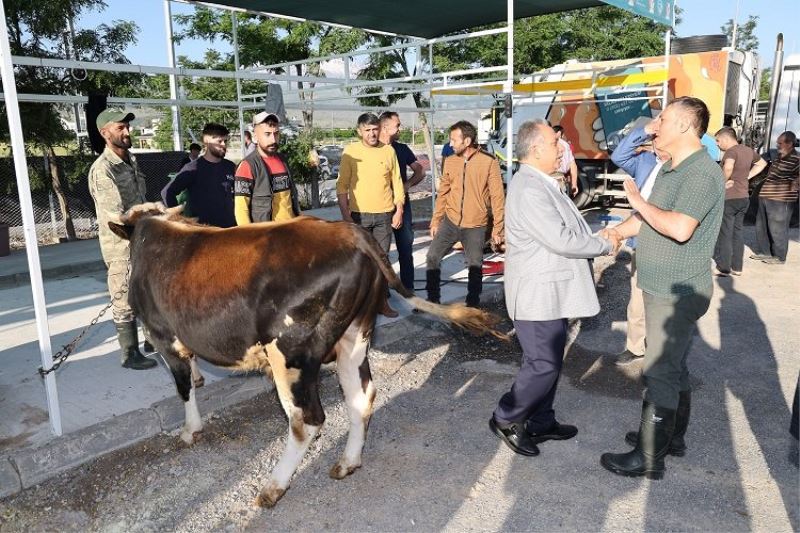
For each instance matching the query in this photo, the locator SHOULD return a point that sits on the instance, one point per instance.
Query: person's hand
(434, 230)
(497, 243)
(347, 217)
(729, 184)
(614, 237)
(397, 219)
(632, 192)
(650, 128)
(574, 190)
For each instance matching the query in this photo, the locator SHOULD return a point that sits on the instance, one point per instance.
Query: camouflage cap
(113, 115)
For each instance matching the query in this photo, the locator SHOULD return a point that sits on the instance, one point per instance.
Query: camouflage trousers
(117, 281)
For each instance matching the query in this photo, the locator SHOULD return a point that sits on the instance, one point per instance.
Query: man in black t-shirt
(208, 180)
(404, 235)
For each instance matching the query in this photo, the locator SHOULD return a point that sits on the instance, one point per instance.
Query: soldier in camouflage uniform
(116, 184)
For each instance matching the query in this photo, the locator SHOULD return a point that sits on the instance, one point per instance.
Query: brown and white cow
(281, 297)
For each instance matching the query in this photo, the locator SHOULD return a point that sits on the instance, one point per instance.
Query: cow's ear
(121, 230)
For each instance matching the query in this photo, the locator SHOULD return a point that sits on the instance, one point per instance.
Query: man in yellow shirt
(369, 189)
(263, 188)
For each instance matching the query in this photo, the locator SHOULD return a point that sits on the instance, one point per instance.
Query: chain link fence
(53, 206)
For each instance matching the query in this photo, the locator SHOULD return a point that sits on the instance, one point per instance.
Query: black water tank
(698, 43)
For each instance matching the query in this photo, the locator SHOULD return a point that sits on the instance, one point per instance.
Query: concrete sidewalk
(103, 406)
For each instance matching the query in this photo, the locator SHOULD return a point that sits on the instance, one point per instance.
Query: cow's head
(122, 225)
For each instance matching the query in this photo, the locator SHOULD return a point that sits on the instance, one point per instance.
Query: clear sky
(700, 17)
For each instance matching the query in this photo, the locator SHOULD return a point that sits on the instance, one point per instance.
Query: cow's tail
(476, 321)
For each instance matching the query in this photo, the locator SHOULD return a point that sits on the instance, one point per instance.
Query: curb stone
(24, 278)
(40, 463)
(9, 478)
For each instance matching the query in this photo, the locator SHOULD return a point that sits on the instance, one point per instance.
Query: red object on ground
(493, 268)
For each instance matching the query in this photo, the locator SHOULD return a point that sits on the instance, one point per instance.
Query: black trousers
(531, 396)
(729, 251)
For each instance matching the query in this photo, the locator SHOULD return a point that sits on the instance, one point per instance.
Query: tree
(746, 38)
(196, 88)
(267, 41)
(766, 84)
(37, 29)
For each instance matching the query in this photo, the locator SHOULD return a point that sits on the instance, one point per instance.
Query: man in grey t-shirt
(677, 228)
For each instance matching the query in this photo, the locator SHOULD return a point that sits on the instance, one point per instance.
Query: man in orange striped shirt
(775, 202)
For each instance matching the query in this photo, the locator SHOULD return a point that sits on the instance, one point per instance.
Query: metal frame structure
(404, 85)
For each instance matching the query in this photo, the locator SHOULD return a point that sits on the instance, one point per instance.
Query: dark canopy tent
(418, 18)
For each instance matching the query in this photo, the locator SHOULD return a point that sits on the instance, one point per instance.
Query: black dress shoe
(515, 437)
(557, 432)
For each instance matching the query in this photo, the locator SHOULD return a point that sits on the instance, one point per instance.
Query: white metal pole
(234, 26)
(432, 155)
(508, 89)
(28, 224)
(667, 46)
(177, 143)
(735, 26)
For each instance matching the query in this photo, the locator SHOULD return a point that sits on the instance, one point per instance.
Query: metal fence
(49, 209)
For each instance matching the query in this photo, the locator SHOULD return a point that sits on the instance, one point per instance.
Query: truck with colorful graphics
(597, 103)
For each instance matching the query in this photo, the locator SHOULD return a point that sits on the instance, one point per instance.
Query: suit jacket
(547, 275)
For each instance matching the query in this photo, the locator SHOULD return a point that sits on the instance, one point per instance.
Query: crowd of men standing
(686, 210)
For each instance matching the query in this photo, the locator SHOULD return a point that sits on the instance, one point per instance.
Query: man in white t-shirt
(567, 173)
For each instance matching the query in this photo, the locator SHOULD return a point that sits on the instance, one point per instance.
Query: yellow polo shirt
(370, 176)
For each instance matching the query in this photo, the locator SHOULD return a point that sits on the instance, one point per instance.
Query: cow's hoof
(190, 437)
(269, 496)
(199, 382)
(341, 470)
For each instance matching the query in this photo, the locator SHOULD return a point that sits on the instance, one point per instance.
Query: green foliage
(266, 41)
(36, 29)
(194, 118)
(297, 150)
(746, 38)
(766, 84)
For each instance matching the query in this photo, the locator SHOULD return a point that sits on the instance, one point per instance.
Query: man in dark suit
(547, 280)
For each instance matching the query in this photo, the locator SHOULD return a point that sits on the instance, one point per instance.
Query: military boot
(131, 357)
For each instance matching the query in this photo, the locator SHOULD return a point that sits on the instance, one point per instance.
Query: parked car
(332, 152)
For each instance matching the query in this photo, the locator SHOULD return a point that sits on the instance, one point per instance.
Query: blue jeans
(404, 238)
(772, 227)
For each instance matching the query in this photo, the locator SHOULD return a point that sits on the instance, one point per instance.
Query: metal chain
(61, 356)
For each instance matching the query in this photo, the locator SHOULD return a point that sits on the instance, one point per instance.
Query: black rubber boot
(474, 286)
(131, 357)
(433, 285)
(647, 458)
(148, 347)
(677, 446)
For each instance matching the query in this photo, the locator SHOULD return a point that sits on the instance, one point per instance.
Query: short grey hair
(529, 133)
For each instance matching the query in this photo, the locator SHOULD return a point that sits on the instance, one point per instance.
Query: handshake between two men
(616, 235)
